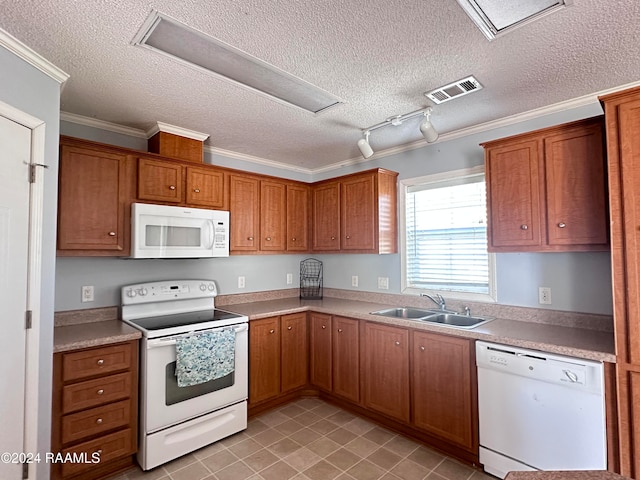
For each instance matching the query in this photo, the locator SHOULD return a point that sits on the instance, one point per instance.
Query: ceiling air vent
(454, 90)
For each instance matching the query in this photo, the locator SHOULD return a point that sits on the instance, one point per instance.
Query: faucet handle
(467, 311)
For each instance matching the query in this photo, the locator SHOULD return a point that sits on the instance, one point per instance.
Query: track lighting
(426, 128)
(363, 145)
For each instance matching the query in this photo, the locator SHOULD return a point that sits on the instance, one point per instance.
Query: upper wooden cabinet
(244, 210)
(298, 217)
(206, 187)
(546, 190)
(160, 181)
(95, 191)
(273, 220)
(356, 213)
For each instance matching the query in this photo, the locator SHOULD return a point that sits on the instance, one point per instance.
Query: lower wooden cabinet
(320, 358)
(385, 367)
(277, 356)
(443, 393)
(95, 409)
(346, 358)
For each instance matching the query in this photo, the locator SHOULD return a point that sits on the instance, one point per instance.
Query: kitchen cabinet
(206, 188)
(297, 217)
(96, 185)
(95, 407)
(356, 213)
(159, 181)
(244, 211)
(346, 358)
(320, 357)
(622, 114)
(444, 395)
(386, 370)
(546, 190)
(277, 356)
(273, 221)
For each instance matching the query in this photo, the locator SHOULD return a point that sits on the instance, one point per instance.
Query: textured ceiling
(378, 56)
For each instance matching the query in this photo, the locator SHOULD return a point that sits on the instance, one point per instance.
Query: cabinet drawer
(97, 361)
(96, 420)
(109, 447)
(96, 392)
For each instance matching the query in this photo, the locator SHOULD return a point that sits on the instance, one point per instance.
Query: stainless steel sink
(434, 316)
(404, 312)
(455, 320)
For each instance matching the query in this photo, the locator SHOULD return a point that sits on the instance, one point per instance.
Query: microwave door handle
(211, 234)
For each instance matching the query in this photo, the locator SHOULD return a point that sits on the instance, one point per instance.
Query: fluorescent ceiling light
(169, 37)
(495, 17)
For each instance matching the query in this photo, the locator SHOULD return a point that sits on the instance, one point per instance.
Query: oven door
(163, 403)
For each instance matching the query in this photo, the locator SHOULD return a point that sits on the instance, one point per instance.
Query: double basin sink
(437, 317)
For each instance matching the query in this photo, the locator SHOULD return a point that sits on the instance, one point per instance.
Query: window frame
(492, 296)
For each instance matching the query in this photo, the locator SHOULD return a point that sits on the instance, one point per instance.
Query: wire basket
(311, 279)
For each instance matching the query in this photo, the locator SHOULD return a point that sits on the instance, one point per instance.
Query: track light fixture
(426, 128)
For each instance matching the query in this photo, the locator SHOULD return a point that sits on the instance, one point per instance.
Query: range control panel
(167, 291)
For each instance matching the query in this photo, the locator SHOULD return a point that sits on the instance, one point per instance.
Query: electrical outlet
(241, 281)
(544, 295)
(383, 283)
(354, 280)
(87, 293)
(289, 278)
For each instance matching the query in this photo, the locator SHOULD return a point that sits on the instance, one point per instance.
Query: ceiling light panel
(182, 43)
(495, 17)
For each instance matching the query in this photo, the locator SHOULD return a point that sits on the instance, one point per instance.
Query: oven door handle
(165, 342)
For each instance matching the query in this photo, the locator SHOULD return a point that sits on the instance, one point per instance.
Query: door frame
(34, 277)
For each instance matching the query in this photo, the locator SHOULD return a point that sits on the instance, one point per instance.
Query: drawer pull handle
(100, 362)
(99, 421)
(289, 327)
(272, 331)
(112, 234)
(524, 227)
(172, 187)
(100, 392)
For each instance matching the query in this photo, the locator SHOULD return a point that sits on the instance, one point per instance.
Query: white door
(15, 157)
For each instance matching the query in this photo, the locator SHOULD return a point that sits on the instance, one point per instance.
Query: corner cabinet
(546, 190)
(96, 187)
(356, 213)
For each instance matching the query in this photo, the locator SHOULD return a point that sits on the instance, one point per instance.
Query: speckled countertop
(563, 340)
(92, 334)
(565, 475)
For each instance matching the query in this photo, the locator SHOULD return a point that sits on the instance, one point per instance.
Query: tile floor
(310, 439)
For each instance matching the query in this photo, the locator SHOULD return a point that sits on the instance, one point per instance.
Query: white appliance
(177, 420)
(539, 411)
(164, 231)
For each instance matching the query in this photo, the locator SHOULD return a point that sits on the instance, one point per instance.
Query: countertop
(92, 334)
(565, 475)
(562, 340)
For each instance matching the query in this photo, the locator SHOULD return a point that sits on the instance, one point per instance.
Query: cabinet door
(244, 208)
(386, 370)
(326, 216)
(513, 194)
(264, 359)
(297, 218)
(443, 394)
(346, 354)
(358, 219)
(206, 188)
(92, 205)
(273, 211)
(159, 181)
(576, 189)
(320, 350)
(294, 351)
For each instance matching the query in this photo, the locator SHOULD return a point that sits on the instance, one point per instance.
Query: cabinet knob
(397, 343)
(524, 227)
(348, 237)
(272, 331)
(289, 327)
(339, 330)
(112, 234)
(197, 190)
(422, 349)
(100, 392)
(99, 421)
(324, 326)
(293, 239)
(333, 238)
(268, 239)
(100, 362)
(562, 225)
(250, 238)
(172, 187)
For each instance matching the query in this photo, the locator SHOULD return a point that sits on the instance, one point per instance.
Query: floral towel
(205, 356)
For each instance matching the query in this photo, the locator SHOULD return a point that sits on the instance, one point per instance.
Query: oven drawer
(96, 361)
(96, 420)
(92, 393)
(109, 447)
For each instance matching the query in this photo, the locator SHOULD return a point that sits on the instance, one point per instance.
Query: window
(445, 236)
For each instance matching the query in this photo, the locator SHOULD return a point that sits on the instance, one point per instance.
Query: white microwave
(163, 231)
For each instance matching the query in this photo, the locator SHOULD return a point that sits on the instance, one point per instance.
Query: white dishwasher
(539, 411)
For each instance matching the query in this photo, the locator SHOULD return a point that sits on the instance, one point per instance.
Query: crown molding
(257, 160)
(102, 125)
(182, 132)
(30, 56)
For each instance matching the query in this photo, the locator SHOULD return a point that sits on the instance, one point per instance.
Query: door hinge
(32, 171)
(28, 319)
(25, 471)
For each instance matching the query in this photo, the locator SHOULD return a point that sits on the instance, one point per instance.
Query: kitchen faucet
(438, 300)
